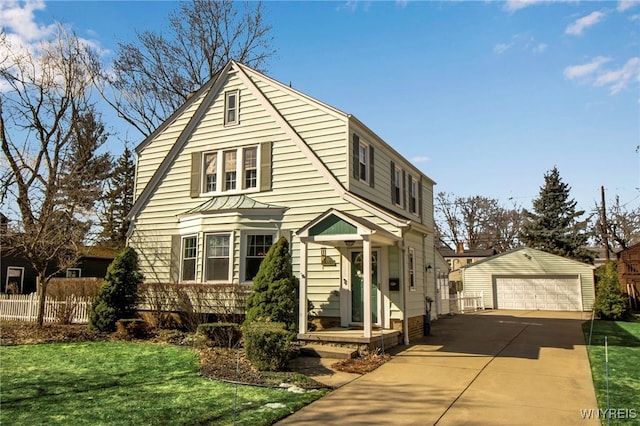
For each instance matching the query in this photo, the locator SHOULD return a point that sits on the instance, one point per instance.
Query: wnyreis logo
(610, 413)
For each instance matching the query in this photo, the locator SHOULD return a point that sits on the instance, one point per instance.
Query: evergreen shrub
(118, 294)
(611, 303)
(267, 345)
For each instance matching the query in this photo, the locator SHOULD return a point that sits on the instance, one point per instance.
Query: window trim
(230, 256)
(183, 238)
(411, 267)
(244, 250)
(73, 269)
(398, 191)
(221, 178)
(17, 268)
(366, 163)
(227, 108)
(414, 196)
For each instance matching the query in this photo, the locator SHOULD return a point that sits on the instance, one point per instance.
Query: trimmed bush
(611, 303)
(118, 295)
(267, 345)
(221, 334)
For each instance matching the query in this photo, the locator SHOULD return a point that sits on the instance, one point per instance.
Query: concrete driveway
(487, 368)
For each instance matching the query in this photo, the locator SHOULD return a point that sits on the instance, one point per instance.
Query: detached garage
(531, 279)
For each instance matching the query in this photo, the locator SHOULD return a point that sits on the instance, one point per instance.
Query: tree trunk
(41, 286)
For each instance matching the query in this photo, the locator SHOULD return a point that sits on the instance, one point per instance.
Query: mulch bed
(224, 364)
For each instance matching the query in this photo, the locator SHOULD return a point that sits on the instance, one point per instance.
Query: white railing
(24, 307)
(466, 301)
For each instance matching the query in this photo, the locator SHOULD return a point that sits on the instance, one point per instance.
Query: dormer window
(231, 108)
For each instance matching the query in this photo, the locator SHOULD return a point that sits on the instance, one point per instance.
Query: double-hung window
(397, 186)
(231, 107)
(210, 172)
(74, 273)
(230, 170)
(413, 196)
(217, 262)
(257, 247)
(250, 164)
(189, 252)
(363, 162)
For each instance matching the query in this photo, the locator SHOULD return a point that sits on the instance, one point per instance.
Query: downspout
(405, 289)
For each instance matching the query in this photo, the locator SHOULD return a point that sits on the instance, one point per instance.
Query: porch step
(326, 351)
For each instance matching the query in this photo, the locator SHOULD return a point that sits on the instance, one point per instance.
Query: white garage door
(539, 293)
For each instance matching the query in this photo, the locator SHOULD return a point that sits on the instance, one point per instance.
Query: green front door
(357, 287)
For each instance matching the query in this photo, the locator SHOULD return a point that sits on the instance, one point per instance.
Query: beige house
(459, 258)
(247, 160)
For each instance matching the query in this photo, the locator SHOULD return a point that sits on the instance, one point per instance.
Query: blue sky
(484, 97)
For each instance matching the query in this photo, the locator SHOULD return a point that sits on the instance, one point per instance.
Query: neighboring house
(18, 276)
(247, 160)
(527, 278)
(458, 258)
(629, 272)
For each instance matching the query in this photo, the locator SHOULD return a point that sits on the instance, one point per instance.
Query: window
(74, 272)
(189, 251)
(413, 196)
(217, 261)
(412, 269)
(15, 278)
(210, 171)
(229, 170)
(257, 247)
(469, 261)
(397, 186)
(363, 162)
(231, 108)
(237, 168)
(250, 164)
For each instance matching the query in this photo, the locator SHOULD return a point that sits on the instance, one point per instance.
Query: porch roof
(334, 226)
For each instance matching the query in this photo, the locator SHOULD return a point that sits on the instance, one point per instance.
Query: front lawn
(623, 341)
(124, 383)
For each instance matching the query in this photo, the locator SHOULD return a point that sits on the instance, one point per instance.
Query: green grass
(121, 383)
(623, 342)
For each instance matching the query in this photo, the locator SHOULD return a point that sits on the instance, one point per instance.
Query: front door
(357, 287)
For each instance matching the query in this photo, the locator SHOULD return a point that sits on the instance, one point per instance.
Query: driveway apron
(487, 368)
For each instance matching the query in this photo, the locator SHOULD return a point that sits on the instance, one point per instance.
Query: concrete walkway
(488, 368)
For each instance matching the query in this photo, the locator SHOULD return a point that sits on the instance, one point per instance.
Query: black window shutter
(265, 166)
(409, 181)
(393, 182)
(196, 159)
(356, 156)
(420, 199)
(371, 167)
(404, 190)
(174, 266)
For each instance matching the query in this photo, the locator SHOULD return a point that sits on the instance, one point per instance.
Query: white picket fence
(24, 307)
(466, 301)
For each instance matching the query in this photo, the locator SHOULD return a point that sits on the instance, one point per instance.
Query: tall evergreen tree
(275, 288)
(118, 201)
(554, 225)
(118, 295)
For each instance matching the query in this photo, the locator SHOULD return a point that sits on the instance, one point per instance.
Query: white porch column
(367, 272)
(302, 319)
